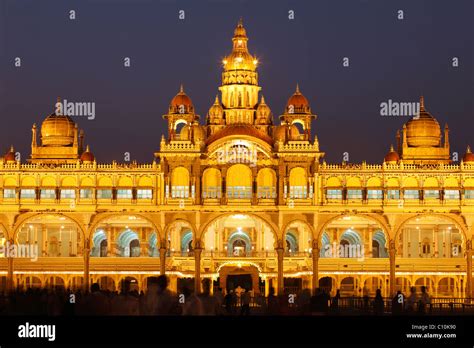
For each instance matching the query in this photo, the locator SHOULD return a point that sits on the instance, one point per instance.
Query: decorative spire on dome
(468, 156)
(181, 89)
(297, 89)
(422, 103)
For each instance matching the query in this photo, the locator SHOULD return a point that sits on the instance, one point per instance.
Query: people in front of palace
(424, 300)
(410, 303)
(398, 302)
(228, 300)
(245, 298)
(335, 301)
(193, 304)
(378, 303)
(210, 304)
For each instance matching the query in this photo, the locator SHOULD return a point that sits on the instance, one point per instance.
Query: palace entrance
(245, 277)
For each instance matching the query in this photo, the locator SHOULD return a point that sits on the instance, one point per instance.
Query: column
(267, 286)
(197, 268)
(87, 253)
(392, 252)
(163, 257)
(44, 244)
(469, 269)
(280, 252)
(10, 270)
(109, 240)
(315, 254)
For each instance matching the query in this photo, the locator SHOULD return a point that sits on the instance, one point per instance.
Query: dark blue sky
(82, 60)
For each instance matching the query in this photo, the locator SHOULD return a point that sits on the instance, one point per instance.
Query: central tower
(239, 81)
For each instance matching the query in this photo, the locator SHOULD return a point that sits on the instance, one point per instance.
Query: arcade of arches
(354, 254)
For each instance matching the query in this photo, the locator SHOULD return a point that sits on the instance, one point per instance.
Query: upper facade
(238, 156)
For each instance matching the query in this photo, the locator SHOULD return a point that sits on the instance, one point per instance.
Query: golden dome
(467, 158)
(179, 101)
(279, 133)
(184, 134)
(87, 156)
(216, 112)
(198, 133)
(264, 114)
(10, 155)
(240, 58)
(240, 129)
(392, 157)
(297, 103)
(424, 130)
(57, 130)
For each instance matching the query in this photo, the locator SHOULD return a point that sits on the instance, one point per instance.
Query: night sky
(82, 60)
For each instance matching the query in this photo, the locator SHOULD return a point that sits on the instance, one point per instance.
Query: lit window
(211, 192)
(374, 194)
(412, 194)
(48, 194)
(86, 193)
(334, 194)
(266, 192)
(393, 194)
(9, 193)
(144, 194)
(239, 192)
(451, 194)
(432, 194)
(124, 193)
(104, 194)
(354, 194)
(469, 194)
(180, 191)
(27, 193)
(68, 194)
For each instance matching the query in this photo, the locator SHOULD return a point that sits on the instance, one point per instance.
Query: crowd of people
(159, 300)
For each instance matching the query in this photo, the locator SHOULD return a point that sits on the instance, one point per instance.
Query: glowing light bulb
(255, 61)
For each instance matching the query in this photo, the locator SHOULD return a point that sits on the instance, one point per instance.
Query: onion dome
(392, 156)
(87, 156)
(423, 130)
(264, 114)
(181, 103)
(215, 113)
(57, 129)
(240, 58)
(279, 133)
(297, 103)
(10, 155)
(467, 158)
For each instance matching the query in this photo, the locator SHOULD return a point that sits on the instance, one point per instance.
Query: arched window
(266, 183)
(211, 183)
(298, 183)
(239, 182)
(180, 183)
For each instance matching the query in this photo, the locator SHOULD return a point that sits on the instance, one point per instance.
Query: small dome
(179, 101)
(198, 133)
(297, 103)
(392, 156)
(279, 133)
(87, 156)
(184, 133)
(294, 132)
(424, 130)
(264, 114)
(215, 113)
(57, 130)
(239, 31)
(10, 155)
(467, 158)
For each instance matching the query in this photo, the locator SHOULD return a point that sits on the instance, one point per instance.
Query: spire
(241, 22)
(297, 89)
(88, 149)
(422, 103)
(262, 100)
(181, 89)
(391, 148)
(216, 102)
(58, 108)
(468, 150)
(12, 149)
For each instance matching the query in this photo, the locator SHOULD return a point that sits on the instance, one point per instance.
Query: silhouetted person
(398, 302)
(335, 300)
(378, 303)
(424, 300)
(245, 299)
(411, 300)
(209, 303)
(272, 305)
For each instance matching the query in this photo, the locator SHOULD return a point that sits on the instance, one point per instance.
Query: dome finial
(241, 22)
(87, 148)
(297, 88)
(422, 103)
(262, 100)
(57, 106)
(468, 150)
(181, 88)
(11, 148)
(391, 148)
(216, 101)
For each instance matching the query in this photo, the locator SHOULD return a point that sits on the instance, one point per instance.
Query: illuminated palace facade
(242, 201)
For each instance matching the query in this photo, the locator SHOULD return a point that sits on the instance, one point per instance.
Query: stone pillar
(392, 252)
(267, 286)
(197, 269)
(315, 255)
(469, 269)
(280, 252)
(44, 241)
(87, 255)
(163, 258)
(10, 270)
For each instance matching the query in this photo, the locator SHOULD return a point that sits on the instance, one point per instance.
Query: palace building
(241, 200)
